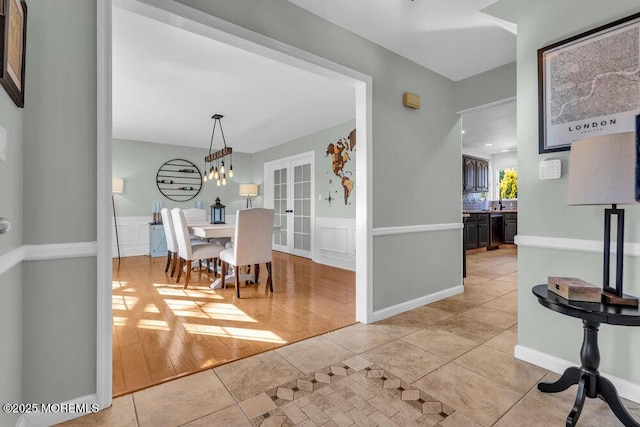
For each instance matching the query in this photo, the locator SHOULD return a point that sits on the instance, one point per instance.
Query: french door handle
(289, 211)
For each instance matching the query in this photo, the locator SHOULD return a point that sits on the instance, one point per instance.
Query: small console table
(590, 383)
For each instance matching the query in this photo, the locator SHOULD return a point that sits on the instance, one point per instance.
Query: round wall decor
(179, 180)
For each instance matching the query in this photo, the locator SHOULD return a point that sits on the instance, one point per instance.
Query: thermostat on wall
(550, 169)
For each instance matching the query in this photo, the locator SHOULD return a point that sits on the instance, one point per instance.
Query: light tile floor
(446, 364)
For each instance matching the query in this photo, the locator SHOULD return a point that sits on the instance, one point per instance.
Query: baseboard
(346, 264)
(415, 303)
(625, 388)
(59, 412)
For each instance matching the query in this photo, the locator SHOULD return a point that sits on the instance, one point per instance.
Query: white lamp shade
(117, 185)
(248, 190)
(602, 170)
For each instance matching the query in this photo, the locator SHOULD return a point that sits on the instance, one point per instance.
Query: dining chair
(188, 252)
(172, 245)
(251, 244)
(195, 216)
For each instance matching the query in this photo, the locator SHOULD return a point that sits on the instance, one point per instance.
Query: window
(508, 183)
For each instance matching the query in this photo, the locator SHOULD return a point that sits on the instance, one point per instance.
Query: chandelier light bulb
(218, 182)
(204, 177)
(230, 171)
(222, 167)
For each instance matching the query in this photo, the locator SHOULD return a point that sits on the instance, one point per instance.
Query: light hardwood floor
(162, 331)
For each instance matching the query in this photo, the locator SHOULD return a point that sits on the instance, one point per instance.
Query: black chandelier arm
(224, 141)
(213, 132)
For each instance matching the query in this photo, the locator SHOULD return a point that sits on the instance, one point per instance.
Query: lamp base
(613, 299)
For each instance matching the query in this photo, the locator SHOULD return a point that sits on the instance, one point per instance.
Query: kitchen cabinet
(475, 175)
(476, 231)
(510, 227)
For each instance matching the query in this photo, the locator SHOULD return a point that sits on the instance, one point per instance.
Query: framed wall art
(589, 84)
(13, 38)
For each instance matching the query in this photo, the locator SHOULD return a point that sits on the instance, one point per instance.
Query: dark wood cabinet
(510, 227)
(483, 230)
(482, 176)
(471, 231)
(475, 175)
(477, 231)
(468, 174)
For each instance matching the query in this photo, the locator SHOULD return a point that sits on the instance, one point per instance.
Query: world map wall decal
(340, 157)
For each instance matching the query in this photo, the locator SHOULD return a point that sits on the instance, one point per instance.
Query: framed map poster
(13, 35)
(589, 84)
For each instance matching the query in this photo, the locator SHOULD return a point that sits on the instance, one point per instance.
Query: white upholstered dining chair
(251, 244)
(188, 252)
(172, 245)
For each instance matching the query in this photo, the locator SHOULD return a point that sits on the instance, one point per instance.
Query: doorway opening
(240, 37)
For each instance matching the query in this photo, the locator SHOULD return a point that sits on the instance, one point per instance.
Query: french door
(289, 189)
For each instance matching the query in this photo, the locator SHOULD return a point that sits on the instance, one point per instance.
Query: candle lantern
(217, 212)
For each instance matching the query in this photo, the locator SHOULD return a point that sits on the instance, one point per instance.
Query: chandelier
(214, 166)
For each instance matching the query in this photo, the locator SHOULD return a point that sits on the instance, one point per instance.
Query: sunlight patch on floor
(236, 333)
(119, 321)
(220, 311)
(156, 325)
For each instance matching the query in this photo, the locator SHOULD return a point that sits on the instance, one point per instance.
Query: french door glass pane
(280, 206)
(302, 207)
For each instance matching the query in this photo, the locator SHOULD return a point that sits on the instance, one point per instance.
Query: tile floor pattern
(447, 364)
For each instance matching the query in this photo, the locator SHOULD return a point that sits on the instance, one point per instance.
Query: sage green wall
(11, 187)
(542, 205)
(11, 118)
(416, 153)
(490, 86)
(59, 173)
(138, 163)
(11, 350)
(59, 324)
(316, 142)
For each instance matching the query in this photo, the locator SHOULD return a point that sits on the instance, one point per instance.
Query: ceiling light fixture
(217, 172)
(488, 145)
(503, 151)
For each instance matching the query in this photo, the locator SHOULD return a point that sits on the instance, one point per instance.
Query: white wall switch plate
(3, 144)
(550, 169)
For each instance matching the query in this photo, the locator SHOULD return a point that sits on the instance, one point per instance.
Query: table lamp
(249, 191)
(602, 172)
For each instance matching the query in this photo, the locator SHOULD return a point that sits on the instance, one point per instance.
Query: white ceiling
(494, 125)
(168, 82)
(450, 37)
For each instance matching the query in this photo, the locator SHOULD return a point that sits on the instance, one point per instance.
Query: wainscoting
(336, 242)
(334, 239)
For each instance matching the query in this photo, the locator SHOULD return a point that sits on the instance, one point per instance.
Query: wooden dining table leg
(256, 273)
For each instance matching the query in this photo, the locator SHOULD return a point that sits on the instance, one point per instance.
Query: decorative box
(574, 289)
